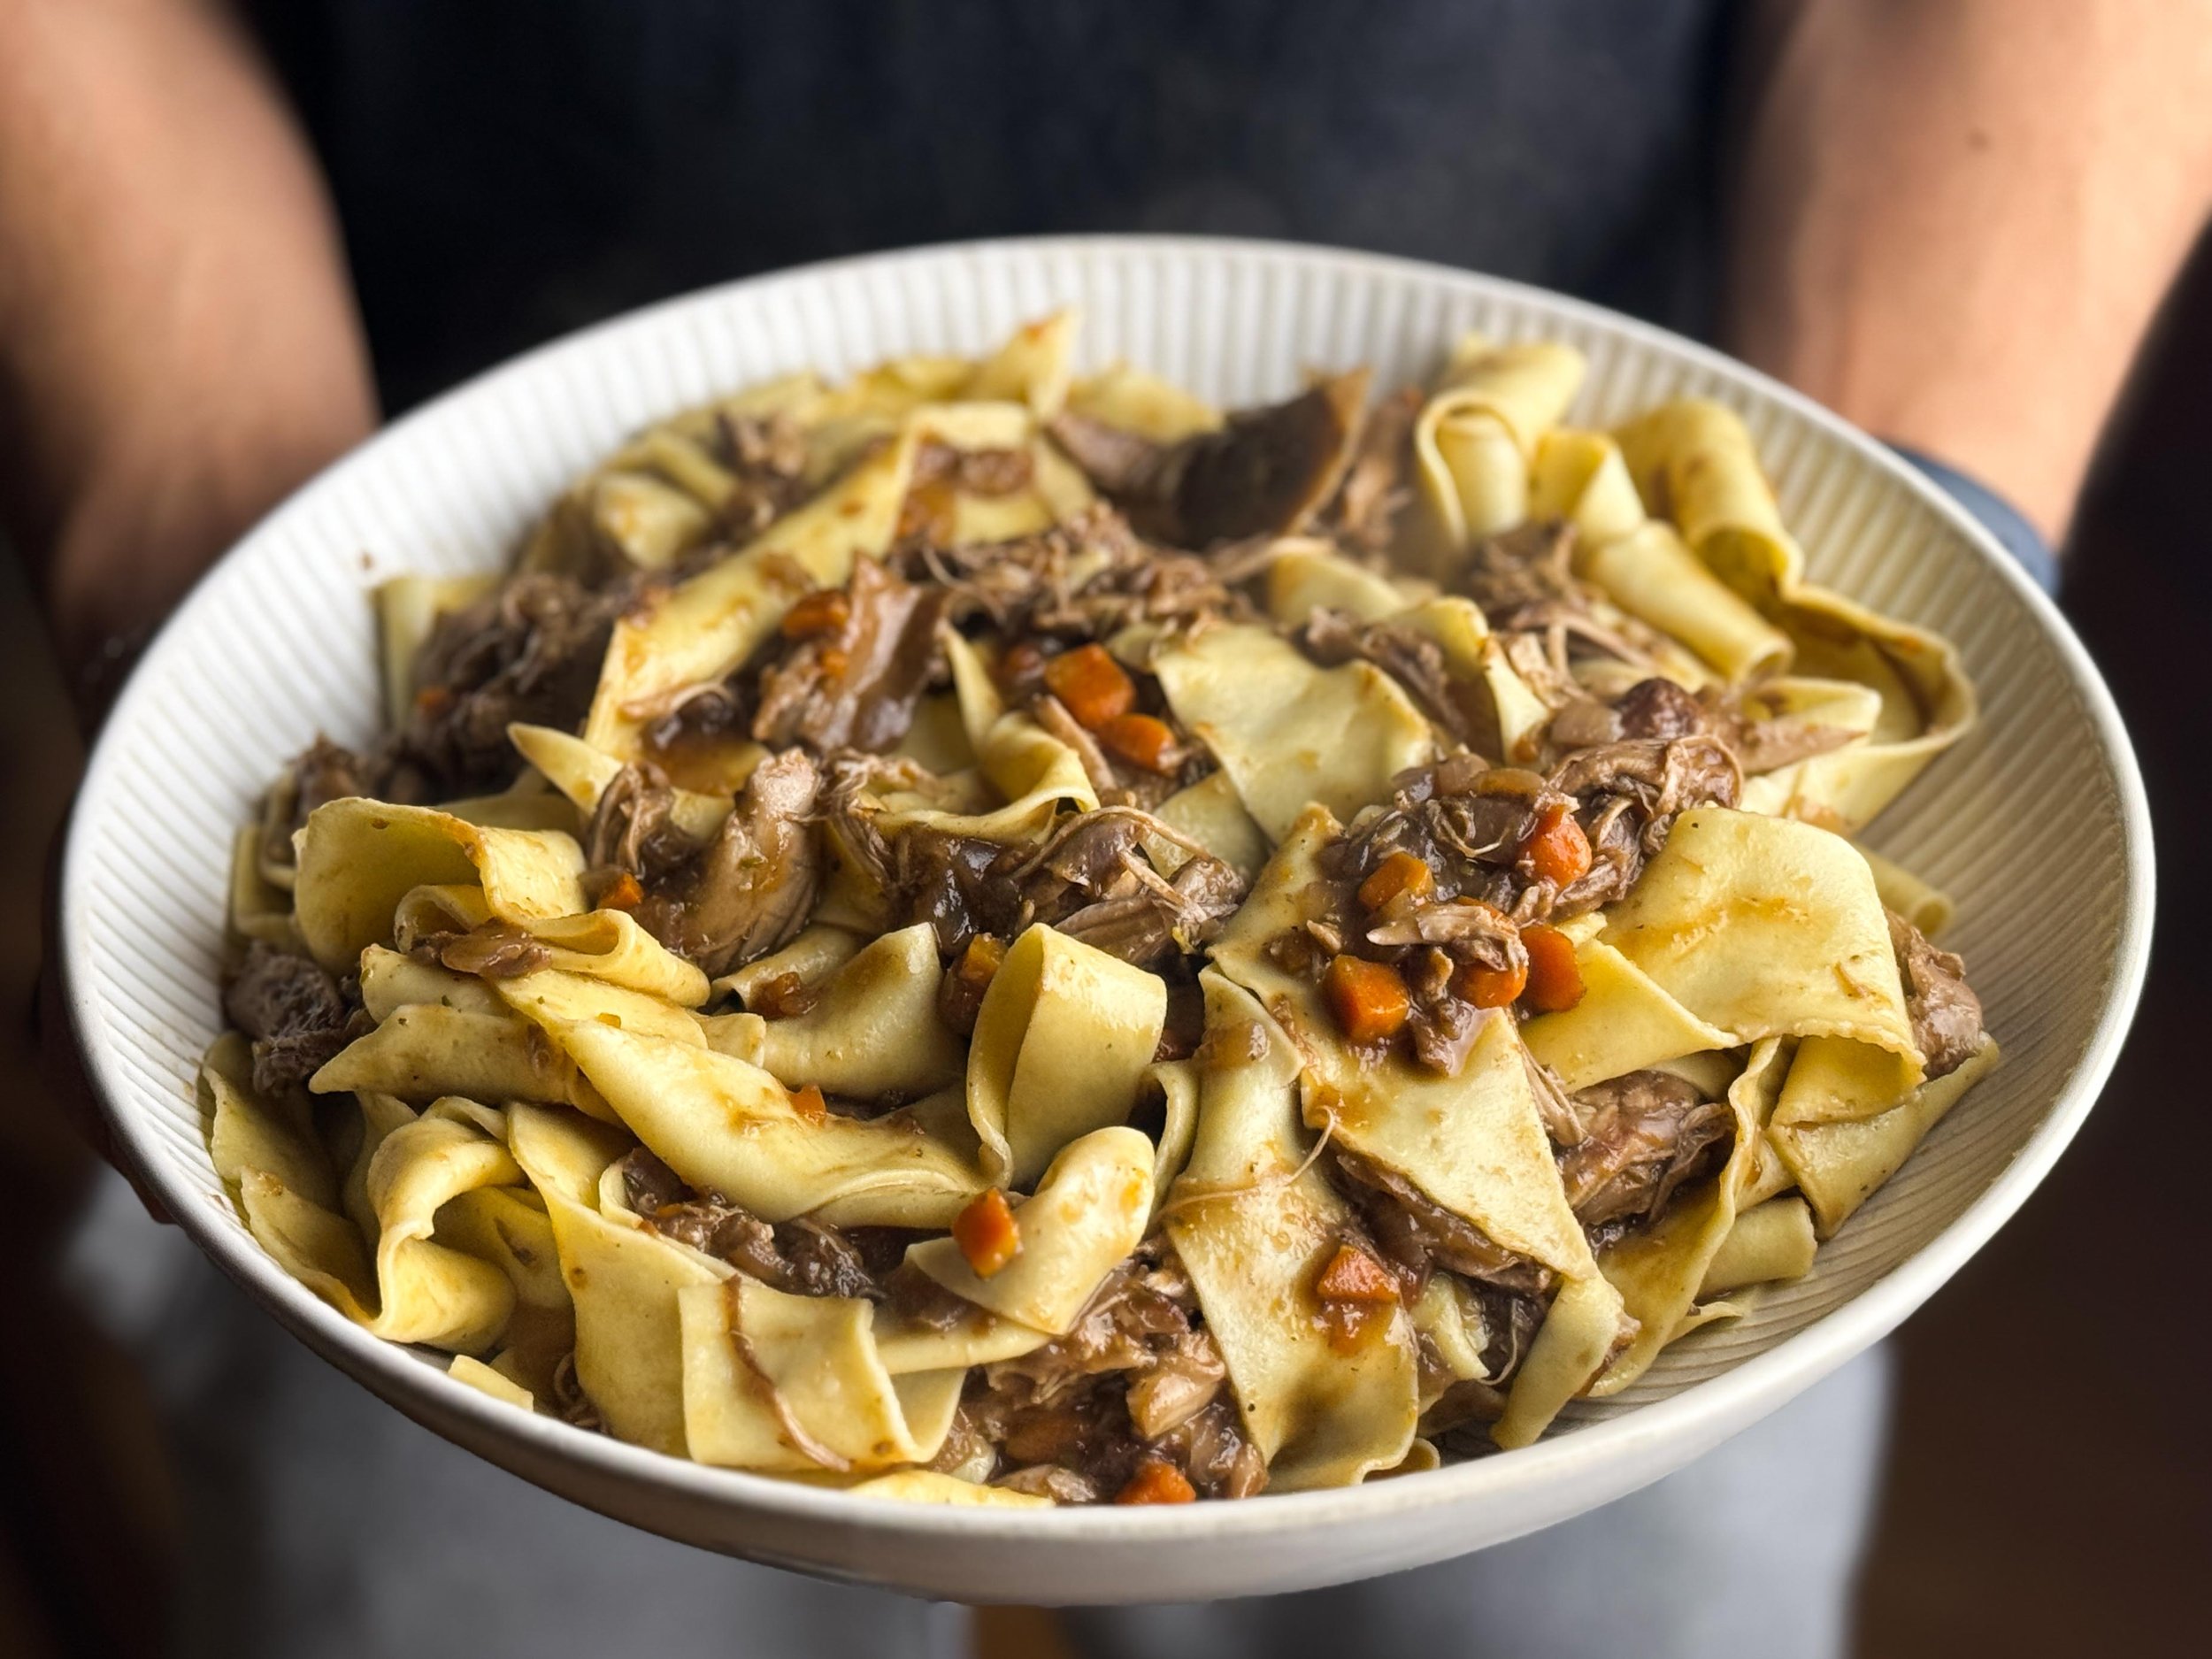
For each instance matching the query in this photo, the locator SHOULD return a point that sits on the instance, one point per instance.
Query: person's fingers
(60, 1055)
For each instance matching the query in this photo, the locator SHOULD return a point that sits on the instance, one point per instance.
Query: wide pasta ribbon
(871, 1032)
(1474, 1144)
(600, 944)
(698, 631)
(1581, 479)
(1839, 1163)
(402, 1284)
(258, 907)
(1210, 813)
(727, 1126)
(1087, 1214)
(357, 859)
(1286, 731)
(1137, 402)
(791, 1385)
(1623, 1023)
(440, 1032)
(1254, 1225)
(1305, 577)
(624, 1278)
(1064, 1037)
(1766, 927)
(1662, 1270)
(806, 962)
(1695, 461)
(1475, 437)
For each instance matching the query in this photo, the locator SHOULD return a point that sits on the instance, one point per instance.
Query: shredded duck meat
(322, 772)
(1512, 574)
(1415, 1235)
(528, 653)
(1091, 877)
(633, 829)
(1375, 486)
(1645, 1136)
(766, 454)
(1137, 1377)
(298, 1015)
(800, 1257)
(1471, 823)
(1947, 1015)
(1081, 580)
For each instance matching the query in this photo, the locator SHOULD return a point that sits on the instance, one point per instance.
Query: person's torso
(505, 172)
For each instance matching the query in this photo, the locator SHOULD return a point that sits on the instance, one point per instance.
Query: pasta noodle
(988, 936)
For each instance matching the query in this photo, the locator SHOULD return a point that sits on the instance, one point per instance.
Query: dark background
(2050, 1480)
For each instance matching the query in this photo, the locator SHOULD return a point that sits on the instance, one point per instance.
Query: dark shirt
(506, 171)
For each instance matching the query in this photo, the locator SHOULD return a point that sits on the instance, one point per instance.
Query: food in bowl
(995, 937)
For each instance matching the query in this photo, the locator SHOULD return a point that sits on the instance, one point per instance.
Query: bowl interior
(279, 643)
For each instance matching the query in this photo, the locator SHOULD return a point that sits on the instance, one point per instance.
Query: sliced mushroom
(1266, 473)
(754, 886)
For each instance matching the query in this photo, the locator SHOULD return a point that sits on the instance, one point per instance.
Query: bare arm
(1954, 218)
(179, 344)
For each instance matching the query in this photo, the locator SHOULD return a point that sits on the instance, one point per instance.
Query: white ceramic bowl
(277, 642)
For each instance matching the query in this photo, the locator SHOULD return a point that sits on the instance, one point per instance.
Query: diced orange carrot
(960, 993)
(1144, 741)
(1368, 998)
(1091, 684)
(782, 997)
(1400, 874)
(1556, 850)
(623, 894)
(1352, 1275)
(978, 964)
(809, 1103)
(1346, 1324)
(1486, 987)
(987, 1234)
(1157, 1481)
(1554, 978)
(824, 611)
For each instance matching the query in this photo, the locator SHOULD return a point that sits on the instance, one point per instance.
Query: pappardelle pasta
(992, 937)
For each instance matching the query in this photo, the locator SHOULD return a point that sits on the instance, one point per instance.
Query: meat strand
(800, 1257)
(1082, 580)
(529, 652)
(298, 1015)
(856, 686)
(1947, 1015)
(1138, 1377)
(1645, 1135)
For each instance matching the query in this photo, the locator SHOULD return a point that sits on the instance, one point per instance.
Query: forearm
(1954, 218)
(178, 342)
